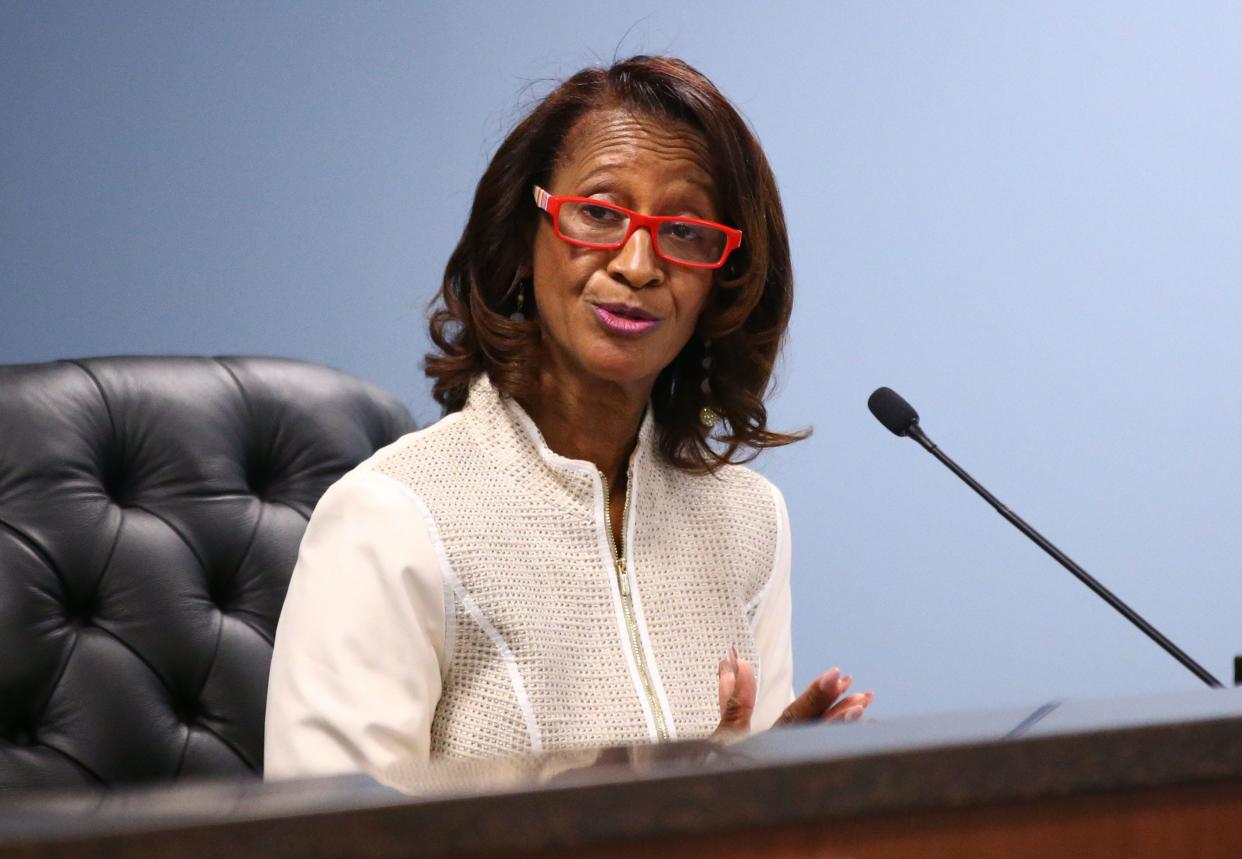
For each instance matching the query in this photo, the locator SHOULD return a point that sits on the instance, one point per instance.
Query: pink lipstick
(624, 320)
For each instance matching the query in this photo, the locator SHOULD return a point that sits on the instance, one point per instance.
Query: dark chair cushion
(150, 516)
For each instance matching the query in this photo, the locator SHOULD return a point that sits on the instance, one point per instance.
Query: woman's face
(651, 166)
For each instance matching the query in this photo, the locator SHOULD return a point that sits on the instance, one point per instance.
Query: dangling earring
(707, 415)
(519, 314)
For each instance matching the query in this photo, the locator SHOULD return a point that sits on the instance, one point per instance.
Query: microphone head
(892, 411)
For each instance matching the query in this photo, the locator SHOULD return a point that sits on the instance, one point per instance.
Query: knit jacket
(458, 595)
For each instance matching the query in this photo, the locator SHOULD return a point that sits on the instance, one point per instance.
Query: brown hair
(745, 317)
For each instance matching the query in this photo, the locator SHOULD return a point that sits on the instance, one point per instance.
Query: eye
(599, 214)
(683, 232)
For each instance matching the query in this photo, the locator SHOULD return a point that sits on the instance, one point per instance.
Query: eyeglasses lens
(683, 241)
(690, 242)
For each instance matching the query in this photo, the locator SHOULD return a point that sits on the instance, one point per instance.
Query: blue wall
(1025, 217)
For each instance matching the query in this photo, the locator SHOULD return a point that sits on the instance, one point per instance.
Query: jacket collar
(507, 429)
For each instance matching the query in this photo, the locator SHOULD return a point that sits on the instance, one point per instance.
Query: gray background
(1024, 217)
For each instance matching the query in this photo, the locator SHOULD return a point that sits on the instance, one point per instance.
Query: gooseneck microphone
(902, 420)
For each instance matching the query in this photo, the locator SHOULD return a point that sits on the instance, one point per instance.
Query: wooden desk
(1159, 776)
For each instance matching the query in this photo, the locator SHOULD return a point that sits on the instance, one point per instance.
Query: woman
(572, 556)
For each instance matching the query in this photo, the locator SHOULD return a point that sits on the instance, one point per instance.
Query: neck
(590, 420)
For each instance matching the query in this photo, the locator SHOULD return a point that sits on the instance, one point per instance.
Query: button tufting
(185, 713)
(219, 591)
(115, 479)
(259, 474)
(81, 614)
(106, 612)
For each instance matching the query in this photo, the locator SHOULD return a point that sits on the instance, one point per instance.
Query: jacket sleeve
(357, 665)
(772, 630)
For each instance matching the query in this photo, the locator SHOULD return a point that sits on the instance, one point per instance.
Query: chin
(622, 370)
(624, 376)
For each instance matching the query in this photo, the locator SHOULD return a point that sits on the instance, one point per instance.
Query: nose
(635, 263)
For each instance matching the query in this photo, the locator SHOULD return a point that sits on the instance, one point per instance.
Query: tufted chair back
(150, 515)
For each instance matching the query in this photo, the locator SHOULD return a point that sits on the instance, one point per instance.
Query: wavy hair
(745, 317)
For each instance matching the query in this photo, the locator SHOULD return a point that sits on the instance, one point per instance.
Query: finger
(726, 681)
(817, 698)
(740, 705)
(737, 691)
(735, 708)
(859, 701)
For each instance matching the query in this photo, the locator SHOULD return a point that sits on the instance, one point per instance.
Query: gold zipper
(627, 605)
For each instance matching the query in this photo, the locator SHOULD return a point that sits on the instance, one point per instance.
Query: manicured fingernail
(829, 679)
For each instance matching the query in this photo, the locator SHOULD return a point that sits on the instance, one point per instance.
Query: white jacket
(457, 595)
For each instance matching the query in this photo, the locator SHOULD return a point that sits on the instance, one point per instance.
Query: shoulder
(393, 470)
(446, 431)
(370, 550)
(377, 493)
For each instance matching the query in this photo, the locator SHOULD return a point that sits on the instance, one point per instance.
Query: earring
(707, 415)
(519, 314)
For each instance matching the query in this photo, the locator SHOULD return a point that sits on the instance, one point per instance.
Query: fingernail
(826, 682)
(853, 714)
(846, 681)
(720, 669)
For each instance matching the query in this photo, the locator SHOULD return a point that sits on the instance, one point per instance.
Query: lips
(627, 311)
(624, 319)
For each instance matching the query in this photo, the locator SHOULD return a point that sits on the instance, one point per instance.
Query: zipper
(627, 601)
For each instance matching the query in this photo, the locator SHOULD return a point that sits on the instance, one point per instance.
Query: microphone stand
(915, 432)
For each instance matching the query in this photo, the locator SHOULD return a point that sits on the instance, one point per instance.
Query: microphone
(902, 420)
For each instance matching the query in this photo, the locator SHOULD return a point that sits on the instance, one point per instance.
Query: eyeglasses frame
(551, 203)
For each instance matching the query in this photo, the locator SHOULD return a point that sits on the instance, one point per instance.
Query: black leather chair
(150, 515)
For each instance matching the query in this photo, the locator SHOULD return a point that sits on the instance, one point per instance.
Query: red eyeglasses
(591, 223)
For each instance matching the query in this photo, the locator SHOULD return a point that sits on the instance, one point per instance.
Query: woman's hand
(821, 702)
